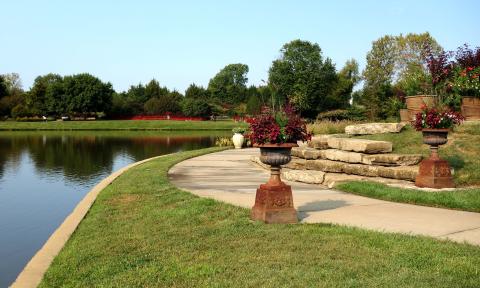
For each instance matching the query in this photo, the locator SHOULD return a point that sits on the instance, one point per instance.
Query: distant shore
(105, 125)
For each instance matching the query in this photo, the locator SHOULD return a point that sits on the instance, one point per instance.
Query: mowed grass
(329, 127)
(122, 125)
(467, 200)
(144, 232)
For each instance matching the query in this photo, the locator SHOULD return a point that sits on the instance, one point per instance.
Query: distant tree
(196, 107)
(229, 85)
(86, 94)
(302, 77)
(196, 92)
(254, 105)
(36, 99)
(394, 60)
(154, 90)
(136, 98)
(378, 74)
(348, 77)
(12, 94)
(120, 105)
(163, 104)
(3, 87)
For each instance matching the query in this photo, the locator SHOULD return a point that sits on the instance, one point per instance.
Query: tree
(394, 59)
(195, 108)
(136, 98)
(196, 92)
(254, 106)
(229, 85)
(378, 74)
(36, 99)
(163, 104)
(154, 90)
(302, 77)
(3, 87)
(86, 94)
(348, 77)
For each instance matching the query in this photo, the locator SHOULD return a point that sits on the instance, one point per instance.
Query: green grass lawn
(122, 125)
(144, 232)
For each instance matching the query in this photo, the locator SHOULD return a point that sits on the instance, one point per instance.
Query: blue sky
(180, 42)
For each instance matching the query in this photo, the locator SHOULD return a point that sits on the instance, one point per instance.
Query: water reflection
(43, 175)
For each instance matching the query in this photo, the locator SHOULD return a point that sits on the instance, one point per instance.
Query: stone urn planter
(434, 172)
(405, 115)
(471, 108)
(238, 140)
(414, 103)
(273, 200)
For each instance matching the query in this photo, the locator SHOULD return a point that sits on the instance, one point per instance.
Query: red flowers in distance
(436, 118)
(284, 126)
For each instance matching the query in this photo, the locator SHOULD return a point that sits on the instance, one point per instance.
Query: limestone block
(374, 128)
(392, 159)
(401, 172)
(306, 152)
(321, 141)
(325, 165)
(296, 163)
(305, 176)
(360, 169)
(360, 145)
(340, 155)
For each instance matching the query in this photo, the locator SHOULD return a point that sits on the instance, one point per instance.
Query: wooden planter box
(414, 103)
(471, 108)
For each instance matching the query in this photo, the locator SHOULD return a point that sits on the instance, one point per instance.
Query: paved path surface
(231, 177)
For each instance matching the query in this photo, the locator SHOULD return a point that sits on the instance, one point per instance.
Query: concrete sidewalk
(231, 177)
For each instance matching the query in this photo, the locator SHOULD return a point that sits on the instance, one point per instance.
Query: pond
(43, 175)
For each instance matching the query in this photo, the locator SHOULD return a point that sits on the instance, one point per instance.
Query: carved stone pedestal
(434, 173)
(274, 204)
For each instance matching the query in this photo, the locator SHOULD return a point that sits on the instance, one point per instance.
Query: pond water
(43, 175)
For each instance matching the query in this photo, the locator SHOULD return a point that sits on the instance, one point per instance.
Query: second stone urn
(273, 200)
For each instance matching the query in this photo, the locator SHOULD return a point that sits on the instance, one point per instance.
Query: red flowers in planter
(436, 118)
(278, 127)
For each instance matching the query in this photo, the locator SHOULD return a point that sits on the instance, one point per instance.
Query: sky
(182, 42)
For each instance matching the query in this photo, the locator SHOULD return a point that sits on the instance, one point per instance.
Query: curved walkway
(231, 177)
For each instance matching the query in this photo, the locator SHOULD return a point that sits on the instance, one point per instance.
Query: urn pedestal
(274, 200)
(434, 172)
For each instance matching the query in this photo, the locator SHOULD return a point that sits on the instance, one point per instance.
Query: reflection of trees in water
(80, 157)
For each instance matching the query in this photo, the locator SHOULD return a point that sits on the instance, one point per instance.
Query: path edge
(33, 272)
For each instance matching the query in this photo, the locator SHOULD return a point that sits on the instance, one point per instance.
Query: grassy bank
(144, 232)
(462, 150)
(467, 200)
(166, 125)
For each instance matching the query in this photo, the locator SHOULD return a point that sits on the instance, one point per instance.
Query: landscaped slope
(144, 232)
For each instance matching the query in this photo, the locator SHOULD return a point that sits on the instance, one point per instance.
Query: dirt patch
(123, 199)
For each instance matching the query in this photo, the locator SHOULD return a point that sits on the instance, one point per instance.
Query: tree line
(301, 75)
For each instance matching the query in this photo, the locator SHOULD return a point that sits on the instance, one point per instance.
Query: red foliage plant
(276, 128)
(436, 118)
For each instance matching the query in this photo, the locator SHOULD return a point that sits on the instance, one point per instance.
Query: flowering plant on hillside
(466, 82)
(284, 126)
(436, 118)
